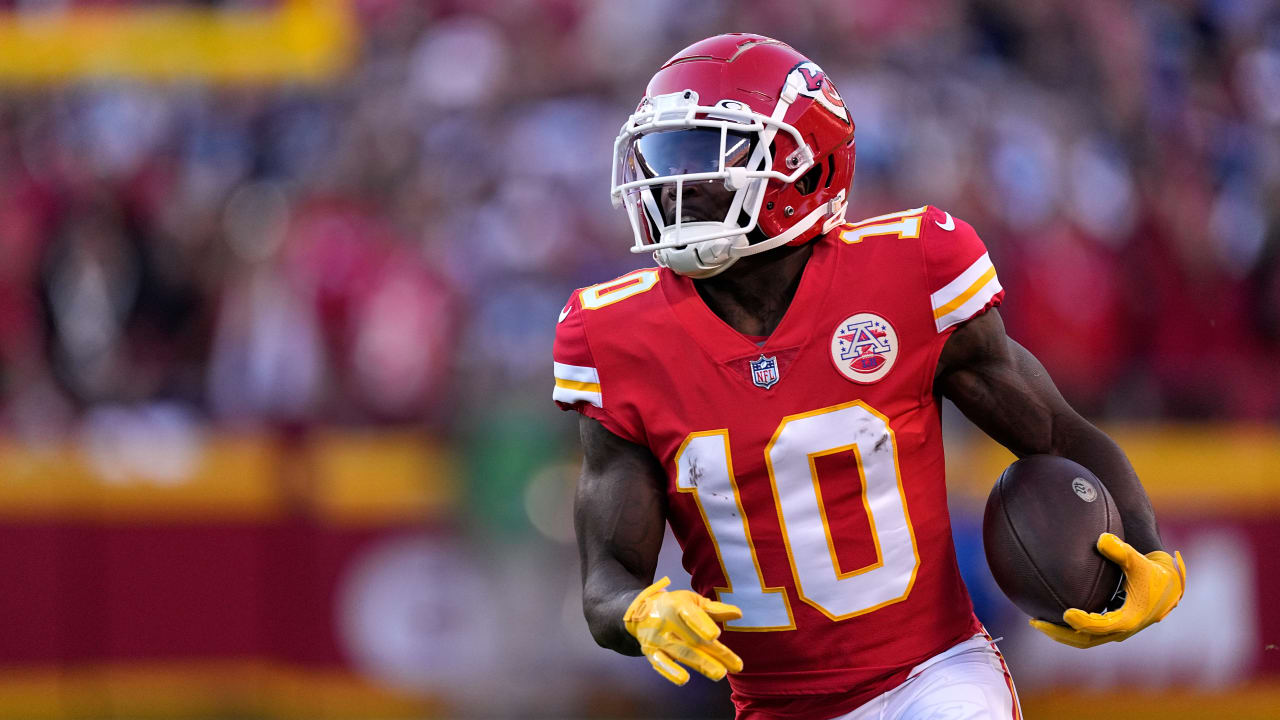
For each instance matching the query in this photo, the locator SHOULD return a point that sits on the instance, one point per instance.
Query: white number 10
(705, 468)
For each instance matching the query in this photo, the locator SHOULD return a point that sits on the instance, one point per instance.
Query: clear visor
(685, 151)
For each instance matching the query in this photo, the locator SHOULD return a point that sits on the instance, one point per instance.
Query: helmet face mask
(657, 172)
(673, 142)
(714, 127)
(681, 152)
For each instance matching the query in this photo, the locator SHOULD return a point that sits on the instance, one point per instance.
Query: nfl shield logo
(764, 372)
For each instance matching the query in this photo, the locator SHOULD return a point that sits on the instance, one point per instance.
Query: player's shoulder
(940, 227)
(962, 278)
(927, 223)
(599, 331)
(958, 271)
(618, 305)
(628, 294)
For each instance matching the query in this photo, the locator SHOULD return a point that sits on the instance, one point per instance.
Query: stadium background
(278, 281)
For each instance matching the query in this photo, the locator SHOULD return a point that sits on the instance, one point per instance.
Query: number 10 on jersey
(705, 469)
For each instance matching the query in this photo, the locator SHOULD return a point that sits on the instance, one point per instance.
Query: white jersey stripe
(962, 282)
(577, 373)
(970, 306)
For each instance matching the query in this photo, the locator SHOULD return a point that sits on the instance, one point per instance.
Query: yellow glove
(681, 625)
(1153, 585)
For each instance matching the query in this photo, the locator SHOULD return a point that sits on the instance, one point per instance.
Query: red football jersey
(805, 474)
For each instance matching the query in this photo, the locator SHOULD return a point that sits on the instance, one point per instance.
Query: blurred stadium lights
(295, 40)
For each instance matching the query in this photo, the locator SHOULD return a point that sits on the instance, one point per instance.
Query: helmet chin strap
(700, 259)
(827, 208)
(705, 258)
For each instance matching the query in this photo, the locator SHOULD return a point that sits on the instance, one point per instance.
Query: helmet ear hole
(808, 182)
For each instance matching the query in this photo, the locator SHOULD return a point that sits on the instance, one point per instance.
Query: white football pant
(969, 681)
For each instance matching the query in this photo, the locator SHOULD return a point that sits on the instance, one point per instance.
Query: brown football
(1040, 533)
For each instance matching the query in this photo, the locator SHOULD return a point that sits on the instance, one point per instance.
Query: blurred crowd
(393, 247)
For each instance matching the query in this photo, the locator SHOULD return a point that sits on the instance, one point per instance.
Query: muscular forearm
(1076, 439)
(618, 517)
(606, 594)
(1005, 390)
(618, 546)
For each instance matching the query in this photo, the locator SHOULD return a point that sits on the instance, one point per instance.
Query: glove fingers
(1181, 570)
(1164, 604)
(701, 626)
(697, 659)
(723, 655)
(667, 668)
(722, 612)
(1075, 638)
(1066, 636)
(712, 649)
(1117, 621)
(1120, 552)
(1154, 584)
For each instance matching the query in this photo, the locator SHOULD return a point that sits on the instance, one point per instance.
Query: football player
(772, 390)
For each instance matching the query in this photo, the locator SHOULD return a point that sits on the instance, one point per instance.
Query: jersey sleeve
(962, 279)
(577, 376)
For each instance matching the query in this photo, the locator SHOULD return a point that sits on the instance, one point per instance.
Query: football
(1040, 530)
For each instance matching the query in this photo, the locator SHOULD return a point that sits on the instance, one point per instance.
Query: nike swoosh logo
(950, 224)
(564, 314)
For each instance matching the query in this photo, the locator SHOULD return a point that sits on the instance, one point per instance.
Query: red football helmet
(749, 112)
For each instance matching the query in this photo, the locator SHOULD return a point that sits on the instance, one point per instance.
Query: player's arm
(1004, 390)
(618, 514)
(619, 517)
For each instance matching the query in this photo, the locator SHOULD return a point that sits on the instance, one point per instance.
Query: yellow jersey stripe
(960, 282)
(576, 385)
(963, 297)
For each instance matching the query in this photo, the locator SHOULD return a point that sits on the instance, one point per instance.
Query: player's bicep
(1001, 386)
(1005, 391)
(619, 507)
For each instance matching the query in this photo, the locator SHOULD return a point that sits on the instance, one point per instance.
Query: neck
(754, 294)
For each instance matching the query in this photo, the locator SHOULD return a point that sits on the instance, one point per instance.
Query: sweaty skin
(619, 508)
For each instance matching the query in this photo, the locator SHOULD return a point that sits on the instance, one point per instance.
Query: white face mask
(667, 143)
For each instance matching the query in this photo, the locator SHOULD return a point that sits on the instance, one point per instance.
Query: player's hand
(1153, 585)
(681, 625)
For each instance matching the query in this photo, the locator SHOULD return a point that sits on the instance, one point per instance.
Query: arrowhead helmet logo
(809, 80)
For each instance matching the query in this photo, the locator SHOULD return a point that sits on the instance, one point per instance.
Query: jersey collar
(722, 342)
